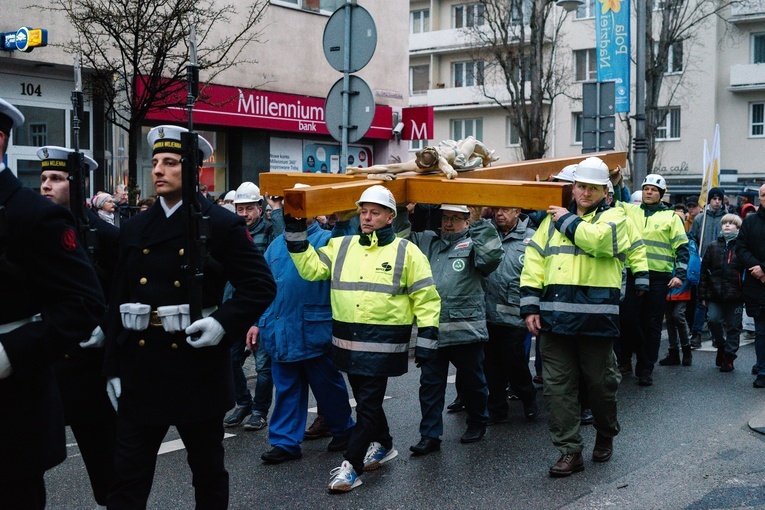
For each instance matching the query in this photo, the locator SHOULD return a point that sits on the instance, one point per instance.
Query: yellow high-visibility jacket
(378, 286)
(572, 272)
(664, 236)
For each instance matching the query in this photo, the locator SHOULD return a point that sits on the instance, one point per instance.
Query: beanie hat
(99, 200)
(716, 192)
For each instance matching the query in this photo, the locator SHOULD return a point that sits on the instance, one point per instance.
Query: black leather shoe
(759, 382)
(425, 446)
(338, 444)
(645, 379)
(472, 435)
(604, 448)
(531, 409)
(278, 455)
(455, 406)
(568, 464)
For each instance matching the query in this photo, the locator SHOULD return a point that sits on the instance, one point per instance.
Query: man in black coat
(79, 374)
(158, 374)
(50, 300)
(750, 250)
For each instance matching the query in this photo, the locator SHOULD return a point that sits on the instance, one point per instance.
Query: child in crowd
(720, 290)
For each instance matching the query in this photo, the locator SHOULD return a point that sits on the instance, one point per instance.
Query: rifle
(198, 231)
(75, 165)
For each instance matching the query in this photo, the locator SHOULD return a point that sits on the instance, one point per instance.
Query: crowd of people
(324, 300)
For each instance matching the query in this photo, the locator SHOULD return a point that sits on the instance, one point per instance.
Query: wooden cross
(517, 184)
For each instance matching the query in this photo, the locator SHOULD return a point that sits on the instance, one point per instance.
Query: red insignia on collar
(69, 239)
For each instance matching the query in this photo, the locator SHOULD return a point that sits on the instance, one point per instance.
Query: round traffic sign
(363, 40)
(361, 109)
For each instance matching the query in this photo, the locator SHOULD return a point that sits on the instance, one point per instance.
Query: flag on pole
(711, 162)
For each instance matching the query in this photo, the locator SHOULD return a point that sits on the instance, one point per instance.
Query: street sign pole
(346, 83)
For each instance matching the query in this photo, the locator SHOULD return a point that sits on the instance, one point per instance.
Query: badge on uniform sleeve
(69, 239)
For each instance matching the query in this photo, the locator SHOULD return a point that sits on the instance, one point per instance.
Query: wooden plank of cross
(521, 184)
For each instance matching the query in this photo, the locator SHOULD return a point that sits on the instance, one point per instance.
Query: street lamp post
(639, 143)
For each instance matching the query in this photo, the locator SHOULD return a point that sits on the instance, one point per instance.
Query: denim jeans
(676, 324)
(264, 385)
(728, 314)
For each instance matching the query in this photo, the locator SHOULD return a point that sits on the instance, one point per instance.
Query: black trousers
(26, 493)
(136, 456)
(95, 440)
(371, 423)
(505, 362)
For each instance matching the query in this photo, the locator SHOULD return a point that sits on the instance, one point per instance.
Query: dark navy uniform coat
(80, 373)
(42, 270)
(164, 379)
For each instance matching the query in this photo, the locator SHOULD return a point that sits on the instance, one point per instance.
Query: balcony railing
(747, 77)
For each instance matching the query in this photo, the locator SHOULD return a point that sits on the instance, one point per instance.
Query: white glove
(5, 364)
(211, 333)
(96, 339)
(114, 390)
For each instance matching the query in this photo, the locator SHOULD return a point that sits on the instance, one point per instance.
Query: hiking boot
(568, 464)
(317, 429)
(672, 359)
(687, 356)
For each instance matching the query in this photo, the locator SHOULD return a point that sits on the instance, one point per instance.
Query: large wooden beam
(509, 185)
(540, 169)
(328, 198)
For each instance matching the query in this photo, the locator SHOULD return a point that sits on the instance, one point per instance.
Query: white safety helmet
(654, 180)
(567, 174)
(378, 195)
(246, 193)
(592, 171)
(636, 198)
(455, 208)
(230, 196)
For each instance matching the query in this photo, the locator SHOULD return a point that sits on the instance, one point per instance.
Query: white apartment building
(291, 77)
(718, 77)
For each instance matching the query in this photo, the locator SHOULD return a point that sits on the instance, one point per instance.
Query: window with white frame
(757, 119)
(577, 125)
(512, 136)
(674, 57)
(523, 70)
(419, 79)
(419, 21)
(467, 74)
(468, 15)
(461, 128)
(416, 145)
(586, 10)
(758, 48)
(586, 65)
(670, 128)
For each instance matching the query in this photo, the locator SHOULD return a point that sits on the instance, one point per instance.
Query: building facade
(716, 77)
(272, 118)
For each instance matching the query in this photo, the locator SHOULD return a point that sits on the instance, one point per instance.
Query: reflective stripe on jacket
(572, 273)
(665, 239)
(459, 263)
(376, 292)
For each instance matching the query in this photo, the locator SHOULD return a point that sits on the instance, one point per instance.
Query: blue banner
(612, 28)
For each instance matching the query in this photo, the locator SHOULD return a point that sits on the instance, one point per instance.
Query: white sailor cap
(10, 117)
(167, 138)
(54, 158)
(455, 208)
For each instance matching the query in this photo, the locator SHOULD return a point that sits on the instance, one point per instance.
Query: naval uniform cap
(10, 117)
(167, 138)
(54, 158)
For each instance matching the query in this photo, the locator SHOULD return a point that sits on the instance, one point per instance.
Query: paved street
(685, 444)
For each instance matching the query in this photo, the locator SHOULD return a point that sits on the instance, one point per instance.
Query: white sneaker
(344, 478)
(377, 455)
